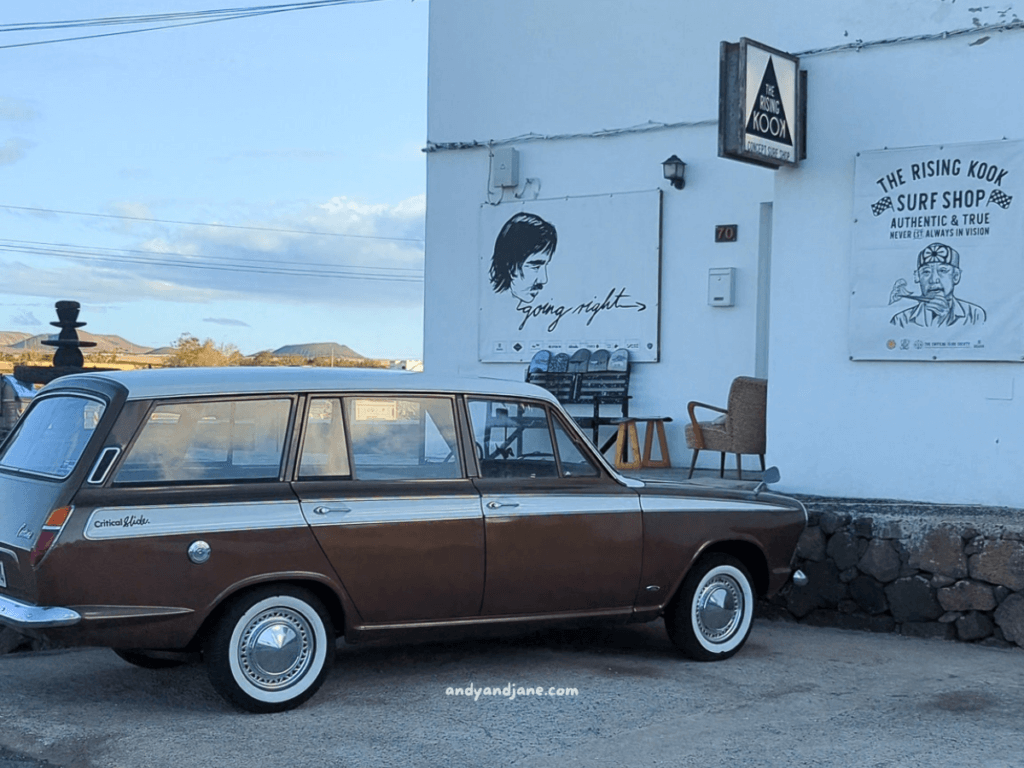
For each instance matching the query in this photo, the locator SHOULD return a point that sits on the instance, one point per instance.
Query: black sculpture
(68, 357)
(69, 353)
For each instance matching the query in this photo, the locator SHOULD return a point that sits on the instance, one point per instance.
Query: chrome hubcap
(276, 648)
(718, 608)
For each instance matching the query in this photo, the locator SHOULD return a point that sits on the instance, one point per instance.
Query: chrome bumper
(19, 615)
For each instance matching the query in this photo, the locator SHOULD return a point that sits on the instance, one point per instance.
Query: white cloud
(16, 109)
(379, 267)
(12, 150)
(226, 321)
(132, 210)
(25, 318)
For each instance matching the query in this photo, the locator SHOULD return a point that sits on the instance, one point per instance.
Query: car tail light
(51, 530)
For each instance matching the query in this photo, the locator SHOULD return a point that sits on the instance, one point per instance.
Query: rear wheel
(271, 650)
(709, 619)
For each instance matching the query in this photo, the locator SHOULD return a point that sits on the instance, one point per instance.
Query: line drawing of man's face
(936, 277)
(522, 252)
(937, 274)
(532, 277)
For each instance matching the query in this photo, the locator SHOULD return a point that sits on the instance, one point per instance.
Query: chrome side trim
(483, 620)
(11, 552)
(653, 503)
(19, 615)
(511, 505)
(397, 510)
(113, 612)
(134, 522)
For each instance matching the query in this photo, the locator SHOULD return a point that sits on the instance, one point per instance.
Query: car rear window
(52, 435)
(201, 442)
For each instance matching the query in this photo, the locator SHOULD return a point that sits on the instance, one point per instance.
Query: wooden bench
(601, 379)
(585, 378)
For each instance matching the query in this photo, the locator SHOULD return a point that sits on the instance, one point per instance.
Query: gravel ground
(794, 696)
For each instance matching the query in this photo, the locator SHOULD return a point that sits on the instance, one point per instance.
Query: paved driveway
(794, 696)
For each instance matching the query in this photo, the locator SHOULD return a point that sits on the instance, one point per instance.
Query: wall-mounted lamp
(674, 170)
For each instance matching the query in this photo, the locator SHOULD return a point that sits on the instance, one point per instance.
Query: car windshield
(51, 437)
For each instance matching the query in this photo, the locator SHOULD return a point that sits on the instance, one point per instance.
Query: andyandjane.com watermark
(510, 691)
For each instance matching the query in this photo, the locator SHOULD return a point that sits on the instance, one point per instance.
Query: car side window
(575, 462)
(324, 449)
(512, 439)
(200, 442)
(403, 438)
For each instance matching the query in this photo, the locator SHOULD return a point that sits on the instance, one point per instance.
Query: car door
(381, 482)
(561, 535)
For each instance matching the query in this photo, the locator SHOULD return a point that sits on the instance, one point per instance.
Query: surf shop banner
(570, 273)
(937, 267)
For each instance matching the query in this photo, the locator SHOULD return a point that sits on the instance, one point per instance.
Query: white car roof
(182, 382)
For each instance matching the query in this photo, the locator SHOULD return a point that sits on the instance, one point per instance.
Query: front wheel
(709, 618)
(271, 650)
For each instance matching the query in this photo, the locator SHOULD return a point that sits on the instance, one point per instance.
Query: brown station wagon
(255, 515)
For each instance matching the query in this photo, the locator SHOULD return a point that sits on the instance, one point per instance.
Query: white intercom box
(721, 286)
(505, 167)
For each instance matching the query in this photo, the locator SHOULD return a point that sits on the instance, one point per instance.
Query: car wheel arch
(322, 589)
(747, 552)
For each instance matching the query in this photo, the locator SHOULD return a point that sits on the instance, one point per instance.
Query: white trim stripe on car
(134, 522)
(549, 505)
(652, 503)
(341, 511)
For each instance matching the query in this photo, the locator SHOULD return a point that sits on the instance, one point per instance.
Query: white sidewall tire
(270, 613)
(738, 634)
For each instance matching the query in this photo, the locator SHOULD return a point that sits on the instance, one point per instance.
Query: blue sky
(311, 121)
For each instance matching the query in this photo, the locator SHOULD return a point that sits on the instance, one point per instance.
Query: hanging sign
(760, 104)
(938, 253)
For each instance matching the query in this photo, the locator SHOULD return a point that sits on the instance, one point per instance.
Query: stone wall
(917, 569)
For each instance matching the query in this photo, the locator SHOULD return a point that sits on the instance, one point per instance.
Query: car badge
(24, 532)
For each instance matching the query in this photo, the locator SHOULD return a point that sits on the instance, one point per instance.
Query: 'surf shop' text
(932, 201)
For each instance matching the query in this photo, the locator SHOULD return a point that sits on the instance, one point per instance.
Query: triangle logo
(768, 115)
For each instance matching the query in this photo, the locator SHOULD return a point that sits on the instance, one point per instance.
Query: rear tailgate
(24, 506)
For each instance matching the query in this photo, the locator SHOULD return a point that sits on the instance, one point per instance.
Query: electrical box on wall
(505, 167)
(721, 284)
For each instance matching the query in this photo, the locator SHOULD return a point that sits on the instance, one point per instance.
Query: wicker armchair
(740, 430)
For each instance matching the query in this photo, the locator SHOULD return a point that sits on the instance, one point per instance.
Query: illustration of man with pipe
(938, 272)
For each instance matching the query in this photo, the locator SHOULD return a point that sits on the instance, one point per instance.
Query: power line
(211, 224)
(198, 17)
(161, 17)
(186, 261)
(245, 260)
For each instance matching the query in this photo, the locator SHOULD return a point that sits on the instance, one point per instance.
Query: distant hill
(104, 343)
(15, 342)
(312, 351)
(7, 338)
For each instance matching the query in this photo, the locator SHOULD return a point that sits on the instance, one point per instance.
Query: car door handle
(500, 504)
(329, 510)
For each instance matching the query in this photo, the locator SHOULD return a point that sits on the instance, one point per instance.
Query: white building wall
(502, 69)
(944, 431)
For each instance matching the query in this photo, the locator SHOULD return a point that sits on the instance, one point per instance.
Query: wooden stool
(627, 443)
